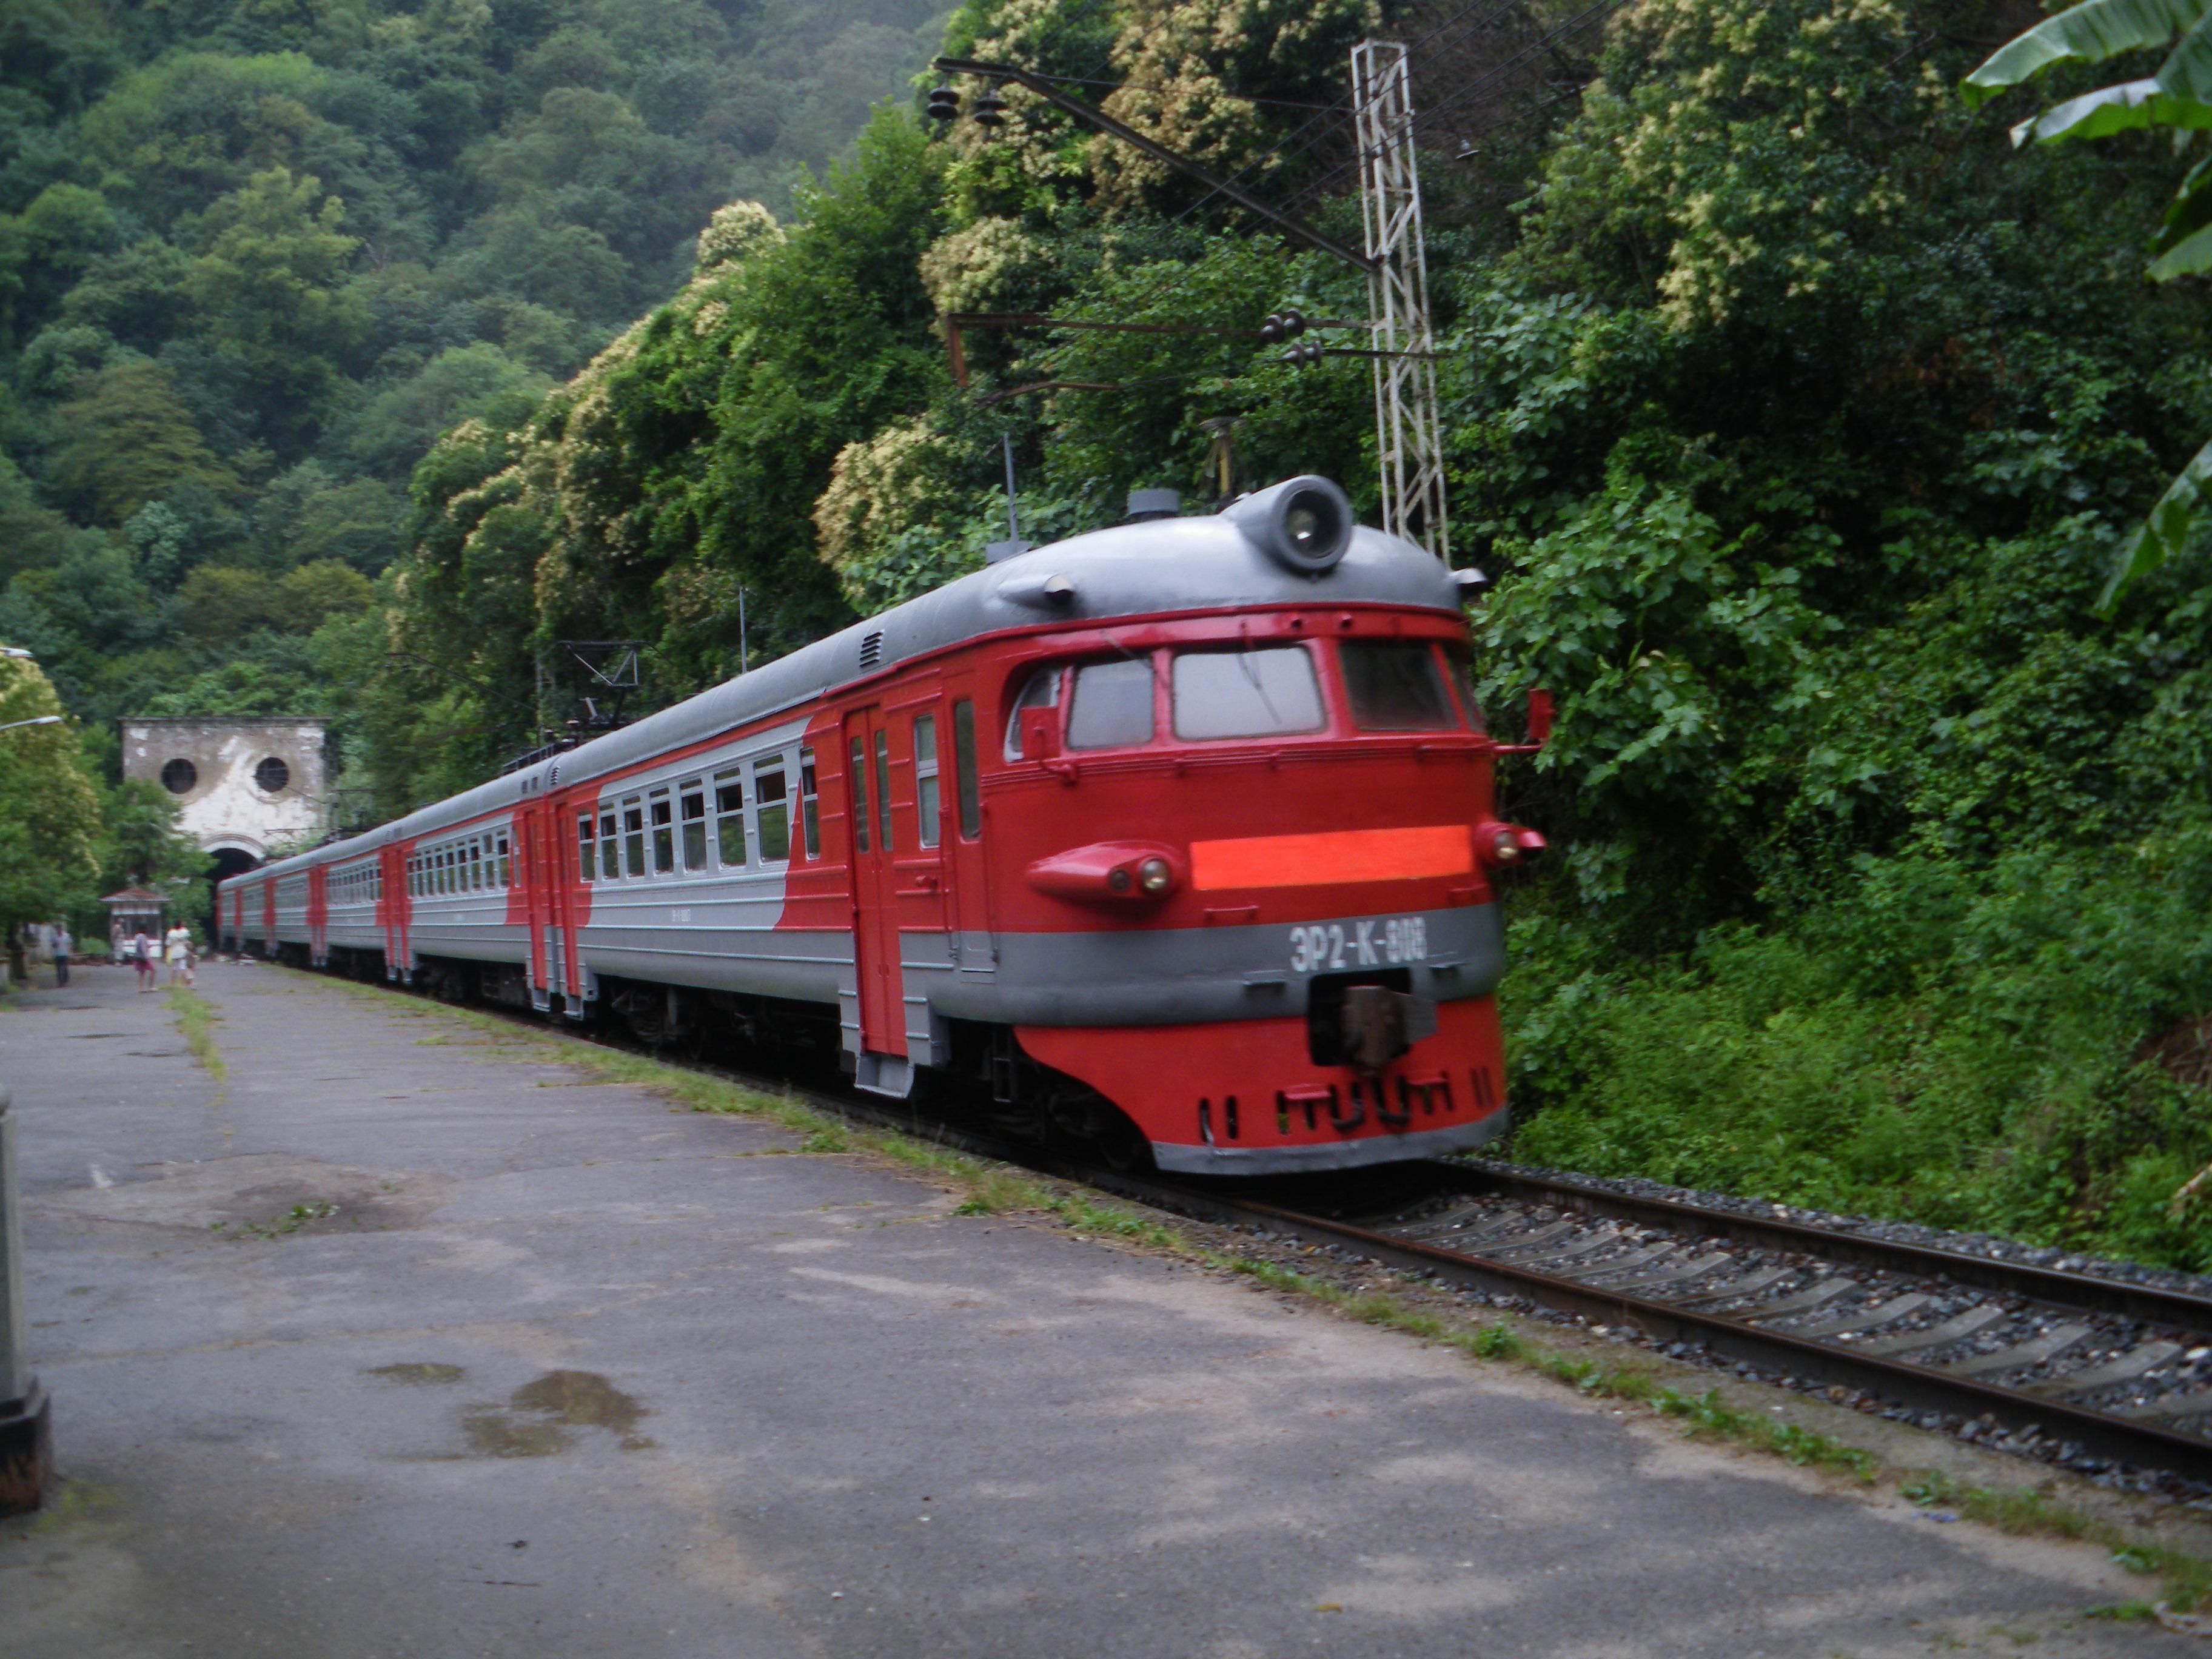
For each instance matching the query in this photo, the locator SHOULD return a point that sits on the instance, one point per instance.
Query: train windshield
(1247, 693)
(1111, 706)
(1395, 685)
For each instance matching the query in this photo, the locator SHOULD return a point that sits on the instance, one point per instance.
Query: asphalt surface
(395, 1345)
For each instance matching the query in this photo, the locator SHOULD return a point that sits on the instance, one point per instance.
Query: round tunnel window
(179, 776)
(272, 774)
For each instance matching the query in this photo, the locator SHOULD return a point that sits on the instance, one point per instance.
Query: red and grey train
(1178, 836)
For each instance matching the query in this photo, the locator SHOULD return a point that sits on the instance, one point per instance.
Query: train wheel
(1119, 1142)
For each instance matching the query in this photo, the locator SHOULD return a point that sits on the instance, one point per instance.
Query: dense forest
(358, 355)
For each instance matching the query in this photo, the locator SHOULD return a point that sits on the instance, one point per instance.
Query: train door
(879, 977)
(319, 915)
(395, 908)
(536, 890)
(559, 888)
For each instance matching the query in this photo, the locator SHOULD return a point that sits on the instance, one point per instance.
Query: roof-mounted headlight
(1303, 523)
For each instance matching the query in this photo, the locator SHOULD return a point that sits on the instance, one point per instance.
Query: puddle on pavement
(418, 1372)
(538, 1416)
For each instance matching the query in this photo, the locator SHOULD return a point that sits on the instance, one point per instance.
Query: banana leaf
(2087, 33)
(2164, 534)
(2124, 108)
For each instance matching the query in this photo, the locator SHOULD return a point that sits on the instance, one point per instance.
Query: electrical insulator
(944, 104)
(990, 109)
(1294, 323)
(1272, 330)
(1299, 356)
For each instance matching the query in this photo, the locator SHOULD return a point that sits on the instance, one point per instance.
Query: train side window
(1040, 690)
(609, 848)
(883, 792)
(695, 824)
(475, 864)
(1460, 661)
(663, 833)
(1394, 685)
(963, 765)
(588, 850)
(1110, 705)
(927, 810)
(506, 872)
(810, 814)
(1265, 692)
(730, 818)
(633, 818)
(856, 778)
(771, 811)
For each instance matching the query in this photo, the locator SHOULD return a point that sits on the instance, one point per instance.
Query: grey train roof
(1198, 564)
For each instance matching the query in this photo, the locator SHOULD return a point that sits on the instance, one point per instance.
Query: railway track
(2033, 1358)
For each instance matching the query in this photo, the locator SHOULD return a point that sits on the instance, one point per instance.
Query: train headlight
(1302, 524)
(1499, 845)
(1119, 875)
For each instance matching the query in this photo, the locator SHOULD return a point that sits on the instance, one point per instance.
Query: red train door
(537, 892)
(319, 915)
(878, 975)
(394, 908)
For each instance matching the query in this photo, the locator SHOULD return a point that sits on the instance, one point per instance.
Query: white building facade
(245, 787)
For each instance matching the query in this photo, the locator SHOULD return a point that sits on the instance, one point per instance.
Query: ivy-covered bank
(1796, 414)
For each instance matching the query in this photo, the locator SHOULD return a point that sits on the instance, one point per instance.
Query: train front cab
(1135, 846)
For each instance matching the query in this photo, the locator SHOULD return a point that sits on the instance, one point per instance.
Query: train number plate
(1326, 947)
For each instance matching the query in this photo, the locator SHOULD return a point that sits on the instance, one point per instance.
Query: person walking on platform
(63, 945)
(141, 950)
(192, 960)
(175, 945)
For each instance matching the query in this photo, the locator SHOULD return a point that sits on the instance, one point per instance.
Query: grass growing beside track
(197, 1019)
(986, 1186)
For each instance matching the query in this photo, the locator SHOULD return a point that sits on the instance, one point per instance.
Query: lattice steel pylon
(1408, 427)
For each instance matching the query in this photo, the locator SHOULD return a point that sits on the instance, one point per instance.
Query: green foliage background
(1797, 417)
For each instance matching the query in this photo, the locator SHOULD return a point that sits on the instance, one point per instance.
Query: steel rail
(2153, 1303)
(1914, 1386)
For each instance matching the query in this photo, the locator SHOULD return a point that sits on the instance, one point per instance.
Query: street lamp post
(42, 720)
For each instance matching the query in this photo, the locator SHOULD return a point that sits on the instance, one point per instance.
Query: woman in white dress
(176, 945)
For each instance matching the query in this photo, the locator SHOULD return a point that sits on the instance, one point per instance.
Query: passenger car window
(1111, 706)
(587, 847)
(1041, 690)
(1246, 694)
(663, 833)
(730, 817)
(772, 811)
(963, 762)
(810, 804)
(927, 808)
(883, 792)
(695, 826)
(609, 848)
(1394, 685)
(856, 780)
(633, 837)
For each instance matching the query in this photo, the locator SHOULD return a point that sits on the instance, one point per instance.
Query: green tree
(125, 439)
(222, 605)
(50, 831)
(307, 597)
(267, 291)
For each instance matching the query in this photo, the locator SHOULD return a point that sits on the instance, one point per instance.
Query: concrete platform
(396, 1345)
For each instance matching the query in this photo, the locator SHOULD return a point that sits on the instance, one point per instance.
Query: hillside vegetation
(1796, 414)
